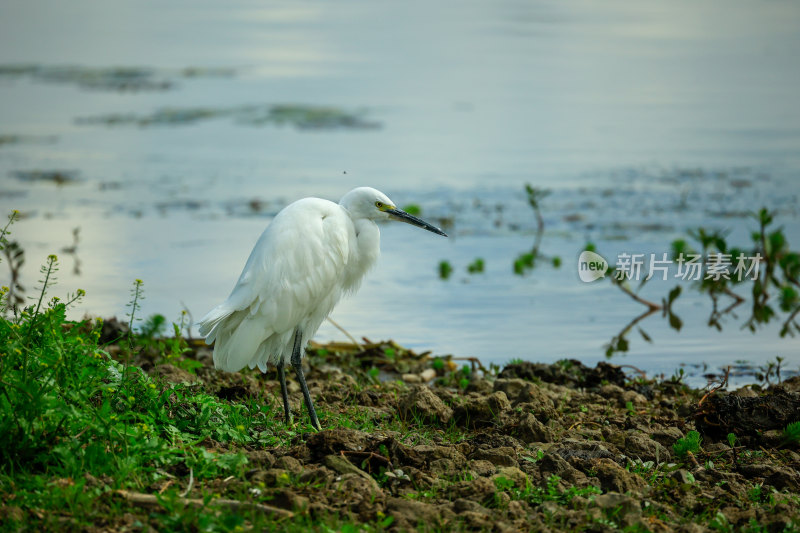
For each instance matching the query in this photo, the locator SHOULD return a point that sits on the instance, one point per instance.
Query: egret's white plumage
(313, 253)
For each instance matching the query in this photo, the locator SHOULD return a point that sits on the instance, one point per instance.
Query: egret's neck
(365, 253)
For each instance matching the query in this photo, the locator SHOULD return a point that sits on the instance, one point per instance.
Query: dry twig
(138, 498)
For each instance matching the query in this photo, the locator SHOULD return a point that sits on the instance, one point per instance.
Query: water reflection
(643, 120)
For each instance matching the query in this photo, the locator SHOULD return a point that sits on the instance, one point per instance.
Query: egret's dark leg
(297, 363)
(284, 392)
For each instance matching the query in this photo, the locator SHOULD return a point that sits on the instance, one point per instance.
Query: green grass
(535, 495)
(77, 425)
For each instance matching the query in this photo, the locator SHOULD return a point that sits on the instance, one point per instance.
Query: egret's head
(372, 204)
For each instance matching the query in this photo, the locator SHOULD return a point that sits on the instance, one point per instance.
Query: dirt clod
(422, 404)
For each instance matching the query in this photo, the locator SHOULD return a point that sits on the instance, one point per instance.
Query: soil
(536, 446)
(545, 447)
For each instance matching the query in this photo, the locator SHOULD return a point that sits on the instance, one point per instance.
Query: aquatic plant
(527, 261)
(476, 266)
(445, 269)
(773, 275)
(301, 116)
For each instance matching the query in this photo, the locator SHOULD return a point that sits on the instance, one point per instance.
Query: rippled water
(644, 120)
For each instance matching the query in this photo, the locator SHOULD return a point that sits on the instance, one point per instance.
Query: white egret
(312, 253)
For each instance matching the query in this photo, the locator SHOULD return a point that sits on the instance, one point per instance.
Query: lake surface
(644, 120)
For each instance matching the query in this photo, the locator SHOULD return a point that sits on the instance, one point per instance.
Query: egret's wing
(296, 266)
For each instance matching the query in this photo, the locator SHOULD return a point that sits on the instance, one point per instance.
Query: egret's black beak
(402, 216)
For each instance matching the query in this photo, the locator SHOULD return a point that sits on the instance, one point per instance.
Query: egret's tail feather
(208, 325)
(238, 339)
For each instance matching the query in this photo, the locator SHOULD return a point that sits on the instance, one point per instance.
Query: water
(643, 119)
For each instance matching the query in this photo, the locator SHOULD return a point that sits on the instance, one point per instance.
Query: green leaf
(674, 321)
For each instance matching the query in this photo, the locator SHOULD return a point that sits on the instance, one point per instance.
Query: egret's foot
(287, 411)
(312, 413)
(315, 422)
(297, 363)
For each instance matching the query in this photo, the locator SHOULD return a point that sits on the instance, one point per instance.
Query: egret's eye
(379, 205)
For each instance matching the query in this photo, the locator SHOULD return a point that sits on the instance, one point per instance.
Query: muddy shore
(559, 447)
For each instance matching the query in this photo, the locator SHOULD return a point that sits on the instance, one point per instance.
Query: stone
(431, 453)
(784, 479)
(357, 490)
(532, 395)
(334, 441)
(613, 477)
(645, 448)
(462, 504)
(612, 500)
(482, 467)
(530, 429)
(513, 473)
(633, 397)
(288, 463)
(481, 490)
(667, 436)
(554, 465)
(421, 403)
(408, 514)
(482, 411)
(288, 499)
(502, 456)
(427, 375)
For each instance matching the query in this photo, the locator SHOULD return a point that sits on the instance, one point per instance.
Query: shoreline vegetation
(103, 429)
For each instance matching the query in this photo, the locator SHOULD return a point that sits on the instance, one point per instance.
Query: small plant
(732, 444)
(413, 209)
(791, 433)
(15, 257)
(770, 370)
(135, 304)
(476, 266)
(678, 376)
(466, 376)
(757, 494)
(48, 270)
(524, 262)
(527, 260)
(536, 458)
(153, 327)
(445, 269)
(390, 353)
(688, 444)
